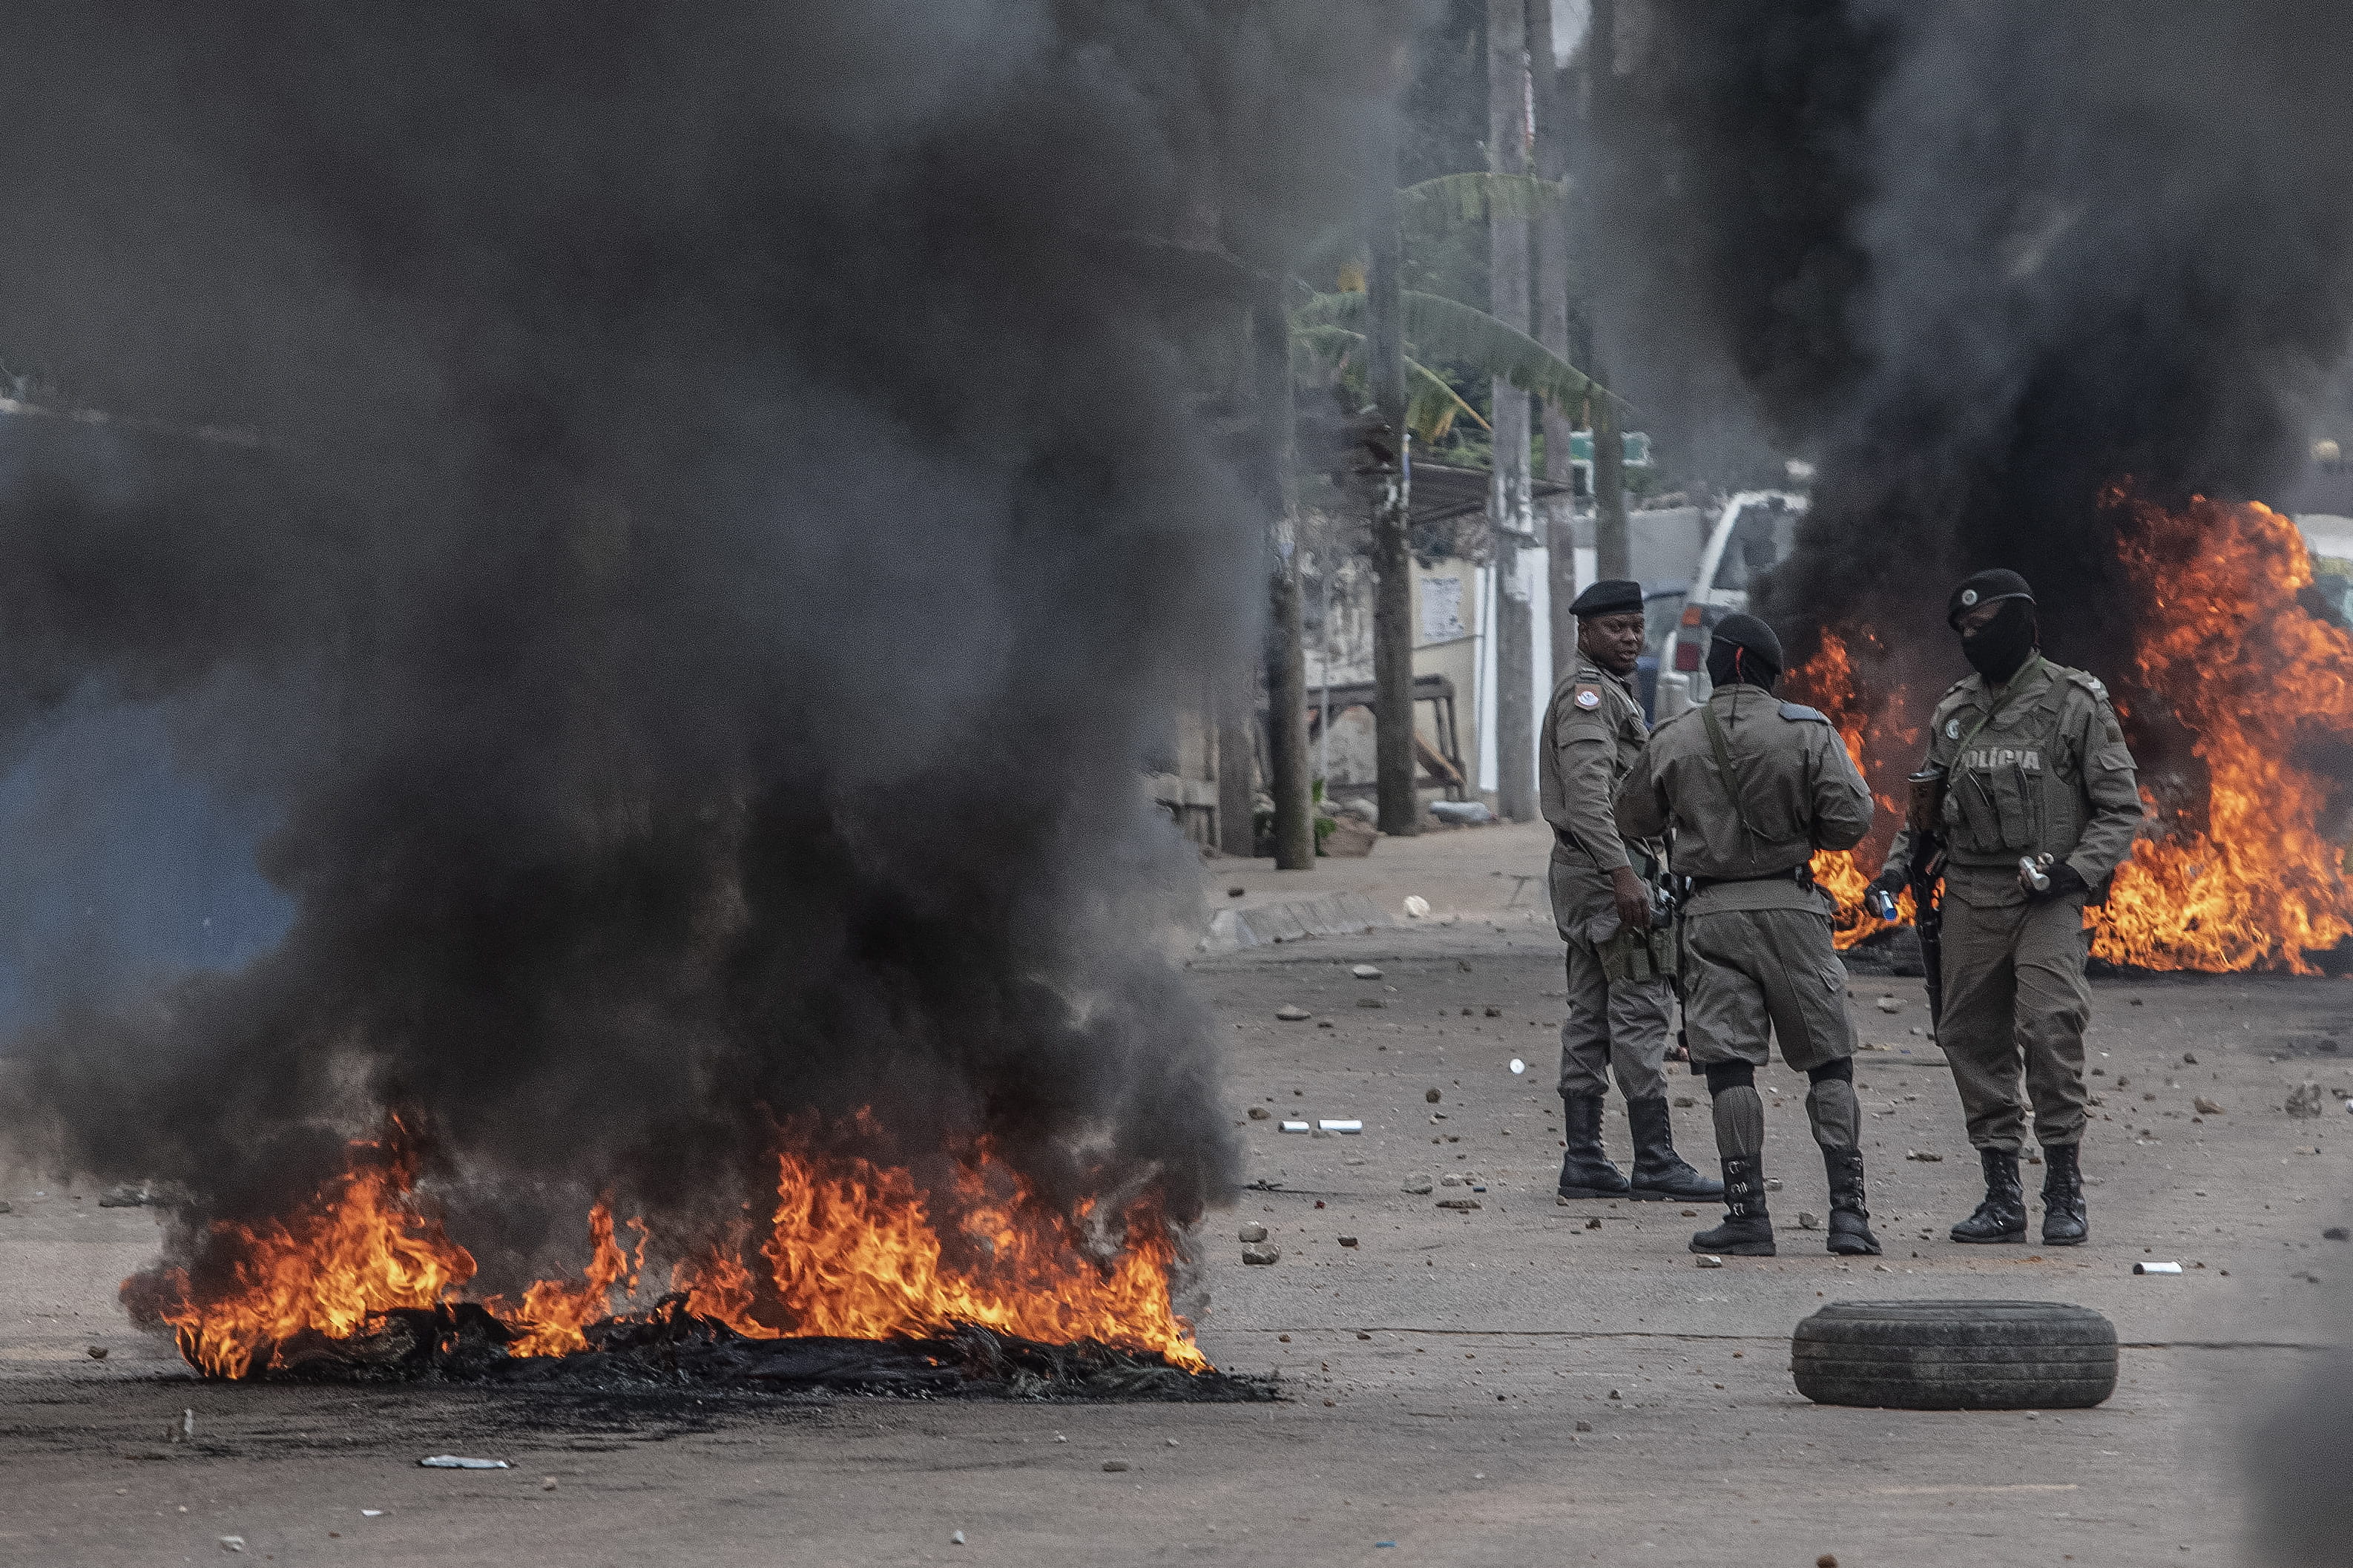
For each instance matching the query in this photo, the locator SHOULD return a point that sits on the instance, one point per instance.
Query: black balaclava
(1744, 652)
(1998, 648)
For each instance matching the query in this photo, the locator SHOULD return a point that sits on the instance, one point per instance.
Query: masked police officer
(2040, 806)
(1619, 997)
(1753, 787)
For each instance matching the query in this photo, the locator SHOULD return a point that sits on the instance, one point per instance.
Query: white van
(1753, 533)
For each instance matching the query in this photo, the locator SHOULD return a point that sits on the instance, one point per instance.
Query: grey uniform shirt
(1799, 792)
(1593, 732)
(2049, 774)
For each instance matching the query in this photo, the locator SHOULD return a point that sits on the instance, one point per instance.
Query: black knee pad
(1841, 1069)
(1722, 1076)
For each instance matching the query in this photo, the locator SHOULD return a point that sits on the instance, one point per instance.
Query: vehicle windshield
(1662, 609)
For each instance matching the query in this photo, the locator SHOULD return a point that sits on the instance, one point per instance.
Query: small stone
(232, 1543)
(1880, 1269)
(1417, 1183)
(2205, 1107)
(2335, 1233)
(1113, 1466)
(1585, 1425)
(1253, 1232)
(98, 1353)
(1925, 1157)
(1449, 1180)
(1347, 1241)
(1772, 1184)
(547, 1483)
(1261, 1256)
(1432, 1095)
(7, 1210)
(1826, 1560)
(1170, 1441)
(1326, 1023)
(1259, 1113)
(1593, 1224)
(1365, 971)
(1691, 1213)
(1808, 1221)
(1890, 1005)
(1362, 1335)
(1685, 1102)
(1464, 1204)
(1613, 1393)
(1291, 1013)
(957, 1539)
(1370, 1001)
(2188, 1059)
(1494, 1012)
(1236, 892)
(1710, 1261)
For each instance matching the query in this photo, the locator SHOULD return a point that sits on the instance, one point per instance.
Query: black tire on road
(1955, 1355)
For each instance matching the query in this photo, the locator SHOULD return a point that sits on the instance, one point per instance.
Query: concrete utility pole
(1551, 327)
(1393, 629)
(1613, 547)
(1286, 661)
(1237, 702)
(1509, 509)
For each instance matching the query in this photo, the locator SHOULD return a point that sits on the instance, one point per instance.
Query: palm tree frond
(1430, 413)
(1477, 195)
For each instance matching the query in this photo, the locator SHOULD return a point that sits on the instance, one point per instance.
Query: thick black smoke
(685, 514)
(1983, 259)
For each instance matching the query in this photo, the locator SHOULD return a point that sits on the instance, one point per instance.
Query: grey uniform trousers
(2015, 996)
(1745, 969)
(1620, 1027)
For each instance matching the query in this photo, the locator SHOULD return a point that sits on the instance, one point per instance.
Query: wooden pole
(1511, 511)
(1286, 666)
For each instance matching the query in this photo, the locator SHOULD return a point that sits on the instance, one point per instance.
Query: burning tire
(1956, 1355)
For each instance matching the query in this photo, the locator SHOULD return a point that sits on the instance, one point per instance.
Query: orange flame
(852, 1249)
(361, 1247)
(2244, 869)
(2260, 684)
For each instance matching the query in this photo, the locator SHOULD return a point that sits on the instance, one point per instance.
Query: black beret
(1610, 596)
(1748, 632)
(1997, 584)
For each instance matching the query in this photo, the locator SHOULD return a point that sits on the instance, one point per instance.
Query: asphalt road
(1440, 1371)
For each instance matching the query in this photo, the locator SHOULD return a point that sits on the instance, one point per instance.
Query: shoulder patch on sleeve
(1589, 698)
(2089, 682)
(1798, 713)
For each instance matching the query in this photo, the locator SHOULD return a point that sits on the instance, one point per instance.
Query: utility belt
(1802, 873)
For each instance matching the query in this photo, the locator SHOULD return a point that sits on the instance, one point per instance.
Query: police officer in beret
(1621, 995)
(1753, 787)
(2039, 806)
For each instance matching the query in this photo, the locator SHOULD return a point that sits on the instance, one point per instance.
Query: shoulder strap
(1723, 765)
(1998, 705)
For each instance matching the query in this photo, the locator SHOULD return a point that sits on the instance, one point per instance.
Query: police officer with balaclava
(2039, 807)
(1753, 786)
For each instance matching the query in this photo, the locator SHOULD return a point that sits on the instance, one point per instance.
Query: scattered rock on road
(2205, 1107)
(1417, 1183)
(1685, 1102)
(1432, 1096)
(1253, 1232)
(2335, 1233)
(1259, 1113)
(1113, 1466)
(1925, 1157)
(1262, 1255)
(1890, 1005)
(1366, 971)
(1707, 1260)
(98, 1353)
(1291, 1013)
(1462, 1204)
(1807, 1221)
(1347, 1241)
(1370, 1001)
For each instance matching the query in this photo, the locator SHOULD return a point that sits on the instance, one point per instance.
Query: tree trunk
(1552, 328)
(1237, 698)
(1510, 514)
(1394, 766)
(1612, 544)
(1286, 661)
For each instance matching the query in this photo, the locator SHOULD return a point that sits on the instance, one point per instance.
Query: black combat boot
(1849, 1221)
(1584, 1171)
(1659, 1173)
(1747, 1229)
(2063, 1224)
(2002, 1215)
